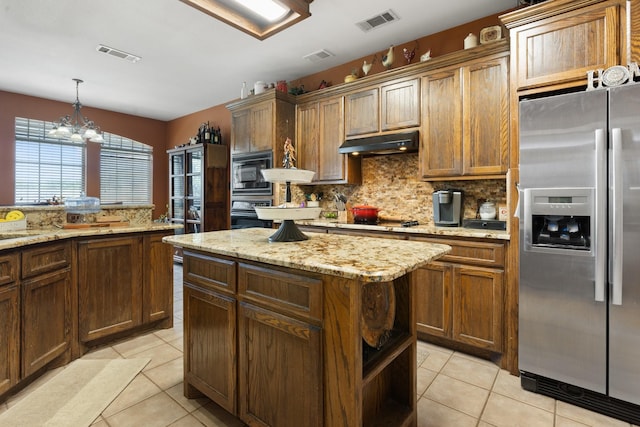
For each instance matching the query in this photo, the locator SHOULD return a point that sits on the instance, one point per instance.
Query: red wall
(147, 131)
(166, 135)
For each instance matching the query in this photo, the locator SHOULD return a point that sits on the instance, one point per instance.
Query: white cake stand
(288, 231)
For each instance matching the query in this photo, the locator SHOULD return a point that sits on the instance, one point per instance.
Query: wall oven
(243, 214)
(246, 176)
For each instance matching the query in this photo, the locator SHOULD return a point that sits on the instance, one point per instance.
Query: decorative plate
(615, 76)
(490, 34)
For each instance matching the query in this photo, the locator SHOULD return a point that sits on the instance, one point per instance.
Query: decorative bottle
(243, 91)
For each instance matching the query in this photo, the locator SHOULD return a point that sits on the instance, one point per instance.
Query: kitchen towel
(76, 396)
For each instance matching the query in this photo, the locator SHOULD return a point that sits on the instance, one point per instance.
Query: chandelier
(70, 127)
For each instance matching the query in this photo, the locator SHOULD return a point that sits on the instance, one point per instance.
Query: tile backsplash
(392, 184)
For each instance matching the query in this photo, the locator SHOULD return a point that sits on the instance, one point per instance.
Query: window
(46, 166)
(125, 170)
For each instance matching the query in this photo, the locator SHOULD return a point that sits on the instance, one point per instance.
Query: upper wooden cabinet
(555, 44)
(465, 120)
(362, 112)
(389, 106)
(320, 131)
(400, 104)
(262, 122)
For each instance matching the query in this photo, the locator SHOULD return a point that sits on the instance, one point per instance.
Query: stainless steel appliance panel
(557, 138)
(624, 309)
(560, 316)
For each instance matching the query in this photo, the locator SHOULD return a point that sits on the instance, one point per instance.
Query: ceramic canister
(470, 41)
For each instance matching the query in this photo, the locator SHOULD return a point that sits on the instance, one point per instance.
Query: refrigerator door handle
(600, 215)
(616, 256)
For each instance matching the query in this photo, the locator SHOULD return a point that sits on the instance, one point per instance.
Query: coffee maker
(447, 208)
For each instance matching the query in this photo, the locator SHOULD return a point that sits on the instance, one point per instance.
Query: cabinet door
(9, 337)
(46, 319)
(486, 117)
(241, 131)
(307, 134)
(477, 307)
(158, 279)
(210, 345)
(441, 151)
(400, 106)
(109, 286)
(194, 189)
(331, 164)
(433, 299)
(361, 112)
(262, 126)
(177, 213)
(561, 49)
(279, 369)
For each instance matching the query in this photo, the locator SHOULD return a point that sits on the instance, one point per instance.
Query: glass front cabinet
(198, 189)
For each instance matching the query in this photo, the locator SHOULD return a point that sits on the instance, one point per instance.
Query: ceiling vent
(118, 53)
(318, 55)
(378, 20)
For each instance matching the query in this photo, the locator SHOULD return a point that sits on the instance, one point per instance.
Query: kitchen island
(318, 333)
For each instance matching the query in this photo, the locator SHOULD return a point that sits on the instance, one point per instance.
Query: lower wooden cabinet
(56, 297)
(279, 369)
(46, 319)
(459, 299)
(157, 291)
(210, 341)
(9, 336)
(109, 286)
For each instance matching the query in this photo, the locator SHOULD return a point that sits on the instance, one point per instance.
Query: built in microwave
(246, 175)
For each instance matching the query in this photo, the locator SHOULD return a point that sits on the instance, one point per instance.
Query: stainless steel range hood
(382, 144)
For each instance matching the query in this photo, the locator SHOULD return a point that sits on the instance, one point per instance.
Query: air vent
(318, 55)
(378, 20)
(118, 53)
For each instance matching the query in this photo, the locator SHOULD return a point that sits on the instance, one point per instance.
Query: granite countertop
(368, 259)
(15, 239)
(418, 229)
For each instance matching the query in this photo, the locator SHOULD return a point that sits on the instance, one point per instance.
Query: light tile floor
(454, 389)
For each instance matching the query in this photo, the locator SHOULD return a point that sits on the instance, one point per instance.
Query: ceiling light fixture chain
(77, 128)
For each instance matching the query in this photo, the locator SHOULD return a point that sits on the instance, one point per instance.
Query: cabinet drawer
(8, 268)
(209, 272)
(49, 257)
(474, 253)
(281, 291)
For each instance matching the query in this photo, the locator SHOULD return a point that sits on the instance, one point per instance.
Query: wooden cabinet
(157, 288)
(362, 112)
(287, 345)
(279, 339)
(199, 188)
(45, 305)
(554, 44)
(262, 122)
(400, 104)
(320, 131)
(9, 322)
(392, 105)
(461, 297)
(109, 286)
(465, 124)
(210, 349)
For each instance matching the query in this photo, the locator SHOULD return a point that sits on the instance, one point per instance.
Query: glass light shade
(97, 138)
(89, 133)
(269, 9)
(76, 137)
(63, 132)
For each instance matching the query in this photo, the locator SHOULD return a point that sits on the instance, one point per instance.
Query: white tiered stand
(288, 231)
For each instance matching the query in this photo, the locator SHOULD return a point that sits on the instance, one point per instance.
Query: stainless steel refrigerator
(579, 289)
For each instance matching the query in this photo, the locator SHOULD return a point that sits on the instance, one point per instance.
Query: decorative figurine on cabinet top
(289, 155)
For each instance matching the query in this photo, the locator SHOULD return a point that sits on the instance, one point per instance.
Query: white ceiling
(191, 61)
